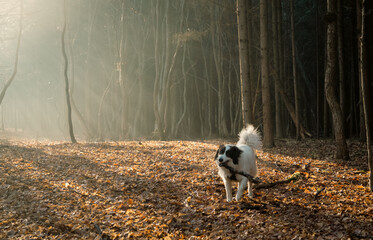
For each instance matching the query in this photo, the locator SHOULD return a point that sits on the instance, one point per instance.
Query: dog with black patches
(241, 157)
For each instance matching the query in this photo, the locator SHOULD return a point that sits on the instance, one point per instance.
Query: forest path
(171, 190)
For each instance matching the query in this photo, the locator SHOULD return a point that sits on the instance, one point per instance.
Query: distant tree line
(175, 69)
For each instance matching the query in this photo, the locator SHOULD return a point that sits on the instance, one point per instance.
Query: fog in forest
(111, 48)
(159, 69)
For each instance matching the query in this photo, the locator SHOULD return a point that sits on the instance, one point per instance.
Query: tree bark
(276, 63)
(293, 51)
(364, 87)
(67, 88)
(342, 92)
(331, 81)
(244, 60)
(268, 140)
(251, 59)
(359, 18)
(10, 80)
(158, 119)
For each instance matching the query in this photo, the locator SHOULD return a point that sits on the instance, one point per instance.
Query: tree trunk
(358, 30)
(364, 88)
(74, 108)
(217, 54)
(296, 100)
(342, 94)
(331, 80)
(244, 60)
(184, 97)
(276, 63)
(251, 60)
(268, 140)
(10, 80)
(158, 119)
(291, 110)
(67, 88)
(318, 87)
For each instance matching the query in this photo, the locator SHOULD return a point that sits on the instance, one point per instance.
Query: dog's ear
(218, 151)
(234, 153)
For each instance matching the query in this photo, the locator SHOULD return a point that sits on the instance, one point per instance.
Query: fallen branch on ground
(318, 192)
(292, 178)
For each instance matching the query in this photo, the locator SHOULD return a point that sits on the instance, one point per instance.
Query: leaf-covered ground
(171, 190)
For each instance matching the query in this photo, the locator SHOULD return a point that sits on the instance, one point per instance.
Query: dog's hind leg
(241, 188)
(228, 189)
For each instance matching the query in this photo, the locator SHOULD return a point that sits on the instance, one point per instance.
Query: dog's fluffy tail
(251, 137)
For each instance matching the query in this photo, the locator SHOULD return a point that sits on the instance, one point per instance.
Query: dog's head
(226, 153)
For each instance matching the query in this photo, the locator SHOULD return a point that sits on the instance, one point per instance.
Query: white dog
(241, 157)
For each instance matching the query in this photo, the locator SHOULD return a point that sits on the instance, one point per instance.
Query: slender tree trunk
(276, 63)
(291, 110)
(218, 64)
(158, 119)
(74, 108)
(364, 88)
(342, 94)
(167, 99)
(121, 79)
(88, 95)
(10, 80)
(359, 18)
(208, 89)
(331, 80)
(293, 50)
(268, 140)
(244, 60)
(67, 88)
(168, 69)
(317, 80)
(250, 59)
(281, 61)
(184, 98)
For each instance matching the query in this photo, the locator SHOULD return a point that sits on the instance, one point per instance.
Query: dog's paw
(238, 197)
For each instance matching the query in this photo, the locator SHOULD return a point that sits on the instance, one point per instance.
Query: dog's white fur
(243, 160)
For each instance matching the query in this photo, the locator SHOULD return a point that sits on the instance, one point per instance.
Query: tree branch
(292, 178)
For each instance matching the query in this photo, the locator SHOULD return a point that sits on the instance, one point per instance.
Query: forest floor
(171, 190)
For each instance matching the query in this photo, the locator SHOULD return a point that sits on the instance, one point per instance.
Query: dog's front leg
(250, 189)
(241, 188)
(228, 188)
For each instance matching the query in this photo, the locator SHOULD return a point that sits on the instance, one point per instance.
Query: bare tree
(268, 140)
(67, 88)
(9, 81)
(331, 80)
